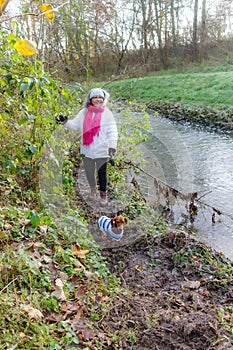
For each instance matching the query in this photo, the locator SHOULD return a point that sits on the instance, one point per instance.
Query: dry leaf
(43, 228)
(25, 47)
(63, 276)
(46, 259)
(89, 274)
(191, 284)
(48, 11)
(7, 226)
(24, 221)
(59, 292)
(81, 253)
(138, 268)
(32, 312)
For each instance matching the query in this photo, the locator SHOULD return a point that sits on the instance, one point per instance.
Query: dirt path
(177, 292)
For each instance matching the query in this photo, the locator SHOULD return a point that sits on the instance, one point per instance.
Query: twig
(205, 194)
(34, 14)
(8, 285)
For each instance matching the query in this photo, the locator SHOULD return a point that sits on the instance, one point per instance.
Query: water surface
(193, 159)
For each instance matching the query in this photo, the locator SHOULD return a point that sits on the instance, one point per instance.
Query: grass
(212, 89)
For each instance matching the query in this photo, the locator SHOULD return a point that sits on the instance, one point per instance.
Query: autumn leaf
(77, 250)
(3, 4)
(25, 47)
(191, 284)
(43, 228)
(138, 268)
(59, 292)
(50, 14)
(32, 312)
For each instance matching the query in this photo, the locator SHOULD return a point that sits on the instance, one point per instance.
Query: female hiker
(99, 139)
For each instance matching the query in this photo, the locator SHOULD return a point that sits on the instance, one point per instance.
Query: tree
(194, 41)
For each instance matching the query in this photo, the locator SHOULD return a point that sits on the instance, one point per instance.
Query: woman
(99, 139)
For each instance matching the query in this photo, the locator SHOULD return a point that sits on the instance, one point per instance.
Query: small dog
(114, 227)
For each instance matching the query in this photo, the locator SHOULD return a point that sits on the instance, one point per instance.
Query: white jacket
(106, 139)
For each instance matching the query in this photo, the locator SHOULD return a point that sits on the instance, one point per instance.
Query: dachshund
(114, 227)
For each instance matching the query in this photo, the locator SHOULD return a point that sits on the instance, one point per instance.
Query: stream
(193, 159)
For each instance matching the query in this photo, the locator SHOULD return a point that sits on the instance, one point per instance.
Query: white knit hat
(96, 92)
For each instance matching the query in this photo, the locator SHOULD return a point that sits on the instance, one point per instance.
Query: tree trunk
(195, 48)
(203, 33)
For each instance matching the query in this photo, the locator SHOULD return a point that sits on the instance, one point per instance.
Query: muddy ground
(180, 290)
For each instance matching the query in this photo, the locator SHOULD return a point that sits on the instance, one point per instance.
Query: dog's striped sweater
(105, 226)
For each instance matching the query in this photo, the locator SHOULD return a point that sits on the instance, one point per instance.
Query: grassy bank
(209, 89)
(203, 97)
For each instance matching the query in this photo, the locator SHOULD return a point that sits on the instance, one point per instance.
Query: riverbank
(219, 120)
(199, 97)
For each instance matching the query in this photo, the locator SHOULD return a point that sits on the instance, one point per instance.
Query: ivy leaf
(34, 218)
(23, 86)
(25, 47)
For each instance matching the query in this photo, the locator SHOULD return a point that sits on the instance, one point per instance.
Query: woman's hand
(61, 119)
(111, 151)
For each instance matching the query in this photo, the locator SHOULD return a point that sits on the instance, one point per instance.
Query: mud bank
(221, 120)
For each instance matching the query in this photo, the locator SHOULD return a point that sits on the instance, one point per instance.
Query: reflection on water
(193, 159)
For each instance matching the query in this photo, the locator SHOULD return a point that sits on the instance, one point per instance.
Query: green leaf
(46, 79)
(34, 218)
(22, 121)
(24, 86)
(31, 117)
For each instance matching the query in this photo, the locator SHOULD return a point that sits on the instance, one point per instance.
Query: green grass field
(212, 89)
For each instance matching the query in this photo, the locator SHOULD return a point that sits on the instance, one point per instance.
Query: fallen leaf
(191, 284)
(43, 228)
(32, 312)
(59, 292)
(77, 250)
(138, 267)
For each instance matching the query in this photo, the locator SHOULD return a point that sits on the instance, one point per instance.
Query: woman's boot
(103, 198)
(93, 193)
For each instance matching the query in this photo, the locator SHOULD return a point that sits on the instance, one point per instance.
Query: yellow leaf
(50, 13)
(138, 268)
(25, 47)
(3, 4)
(81, 253)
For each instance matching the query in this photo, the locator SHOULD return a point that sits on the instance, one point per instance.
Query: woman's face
(97, 101)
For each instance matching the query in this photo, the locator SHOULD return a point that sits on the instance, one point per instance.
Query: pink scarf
(91, 126)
